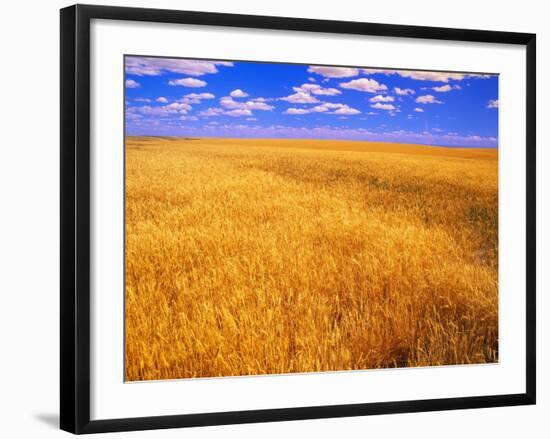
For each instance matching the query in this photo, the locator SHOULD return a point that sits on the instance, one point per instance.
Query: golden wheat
(280, 256)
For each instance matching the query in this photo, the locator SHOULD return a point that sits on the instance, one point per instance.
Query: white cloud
(439, 76)
(296, 111)
(196, 98)
(364, 84)
(316, 89)
(235, 108)
(157, 66)
(200, 96)
(162, 100)
(304, 94)
(437, 130)
(188, 82)
(239, 112)
(310, 79)
(301, 98)
(373, 71)
(380, 98)
(346, 110)
(130, 83)
(253, 104)
(238, 93)
(426, 75)
(431, 76)
(493, 103)
(419, 110)
(142, 100)
(403, 91)
(427, 99)
(133, 116)
(443, 88)
(165, 110)
(258, 105)
(325, 107)
(334, 72)
(380, 106)
(220, 111)
(177, 106)
(228, 102)
(211, 112)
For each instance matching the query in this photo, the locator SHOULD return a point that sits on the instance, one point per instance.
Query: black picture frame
(75, 218)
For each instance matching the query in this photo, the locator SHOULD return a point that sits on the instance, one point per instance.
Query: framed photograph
(272, 218)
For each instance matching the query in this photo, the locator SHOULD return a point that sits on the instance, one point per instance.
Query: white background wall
(29, 206)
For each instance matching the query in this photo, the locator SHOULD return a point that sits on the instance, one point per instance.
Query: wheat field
(281, 256)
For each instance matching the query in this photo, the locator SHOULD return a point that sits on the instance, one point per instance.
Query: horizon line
(308, 139)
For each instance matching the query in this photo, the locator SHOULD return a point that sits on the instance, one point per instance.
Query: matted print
(292, 218)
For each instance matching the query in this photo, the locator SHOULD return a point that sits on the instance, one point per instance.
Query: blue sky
(203, 98)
